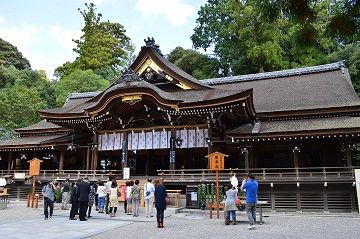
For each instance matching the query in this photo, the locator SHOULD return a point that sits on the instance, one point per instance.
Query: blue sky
(42, 29)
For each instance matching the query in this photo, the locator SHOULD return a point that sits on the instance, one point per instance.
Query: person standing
(160, 202)
(91, 198)
(125, 195)
(65, 187)
(108, 187)
(113, 198)
(128, 198)
(251, 188)
(74, 201)
(84, 190)
(49, 197)
(149, 191)
(230, 205)
(101, 191)
(135, 195)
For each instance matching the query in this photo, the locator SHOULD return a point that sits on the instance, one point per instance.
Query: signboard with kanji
(34, 169)
(216, 161)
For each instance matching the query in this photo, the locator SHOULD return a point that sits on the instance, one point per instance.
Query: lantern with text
(216, 163)
(34, 169)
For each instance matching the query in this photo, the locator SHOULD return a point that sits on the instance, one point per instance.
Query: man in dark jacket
(84, 190)
(74, 200)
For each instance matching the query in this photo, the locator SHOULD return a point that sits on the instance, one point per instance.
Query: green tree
(194, 63)
(78, 81)
(103, 45)
(19, 106)
(10, 56)
(343, 24)
(245, 43)
(351, 55)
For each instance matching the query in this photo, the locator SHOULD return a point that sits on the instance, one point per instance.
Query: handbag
(238, 202)
(167, 200)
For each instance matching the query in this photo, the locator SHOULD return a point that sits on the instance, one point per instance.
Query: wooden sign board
(216, 161)
(34, 169)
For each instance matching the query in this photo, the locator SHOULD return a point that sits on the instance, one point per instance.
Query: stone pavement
(21, 222)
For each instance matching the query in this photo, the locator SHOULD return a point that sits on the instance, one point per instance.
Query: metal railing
(264, 174)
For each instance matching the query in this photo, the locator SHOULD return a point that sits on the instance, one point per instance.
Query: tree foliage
(19, 106)
(245, 43)
(103, 47)
(10, 56)
(194, 63)
(78, 81)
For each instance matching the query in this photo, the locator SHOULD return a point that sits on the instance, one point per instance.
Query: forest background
(238, 37)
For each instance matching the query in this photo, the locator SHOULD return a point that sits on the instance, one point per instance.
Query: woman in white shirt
(101, 191)
(128, 198)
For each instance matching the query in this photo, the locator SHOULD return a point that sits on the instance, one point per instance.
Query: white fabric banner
(110, 142)
(99, 142)
(200, 138)
(141, 144)
(156, 140)
(163, 139)
(184, 137)
(129, 145)
(134, 141)
(191, 138)
(118, 141)
(149, 140)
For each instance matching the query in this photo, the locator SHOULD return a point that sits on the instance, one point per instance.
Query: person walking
(101, 191)
(149, 191)
(125, 187)
(230, 205)
(135, 195)
(113, 198)
(65, 187)
(49, 197)
(251, 188)
(108, 187)
(74, 201)
(160, 202)
(84, 190)
(91, 198)
(128, 198)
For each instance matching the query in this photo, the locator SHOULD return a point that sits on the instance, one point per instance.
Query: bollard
(28, 200)
(36, 200)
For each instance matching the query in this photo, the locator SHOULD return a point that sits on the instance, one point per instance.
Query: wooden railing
(64, 174)
(263, 174)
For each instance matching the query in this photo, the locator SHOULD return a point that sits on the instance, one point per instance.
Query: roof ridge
(76, 95)
(276, 74)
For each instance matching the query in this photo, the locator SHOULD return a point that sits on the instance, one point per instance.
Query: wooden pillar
(61, 162)
(95, 159)
(246, 157)
(172, 150)
(10, 160)
(210, 146)
(124, 151)
(348, 158)
(87, 158)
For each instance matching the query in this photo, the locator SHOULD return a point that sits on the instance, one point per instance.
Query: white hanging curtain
(149, 140)
(142, 140)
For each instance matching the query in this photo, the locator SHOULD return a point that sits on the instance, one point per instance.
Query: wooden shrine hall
(297, 130)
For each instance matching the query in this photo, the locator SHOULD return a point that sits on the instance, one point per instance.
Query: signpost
(216, 164)
(357, 183)
(34, 170)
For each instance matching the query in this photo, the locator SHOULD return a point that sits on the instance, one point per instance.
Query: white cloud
(64, 36)
(174, 11)
(2, 20)
(21, 37)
